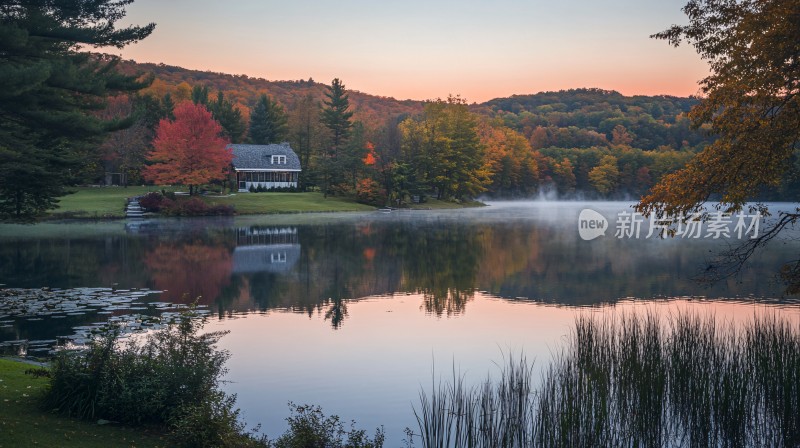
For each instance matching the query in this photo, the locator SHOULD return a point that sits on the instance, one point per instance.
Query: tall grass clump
(493, 414)
(635, 380)
(169, 378)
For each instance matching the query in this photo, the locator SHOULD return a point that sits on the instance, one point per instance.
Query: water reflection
(265, 249)
(317, 264)
(193, 270)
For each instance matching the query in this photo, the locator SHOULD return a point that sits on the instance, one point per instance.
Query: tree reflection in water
(319, 268)
(195, 270)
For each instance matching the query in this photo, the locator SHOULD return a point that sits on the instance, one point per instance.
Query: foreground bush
(310, 428)
(635, 381)
(169, 379)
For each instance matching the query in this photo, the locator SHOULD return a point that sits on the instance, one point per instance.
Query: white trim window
(278, 160)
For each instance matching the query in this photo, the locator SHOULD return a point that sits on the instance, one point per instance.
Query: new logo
(591, 224)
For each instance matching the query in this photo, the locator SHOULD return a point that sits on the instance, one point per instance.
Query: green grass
(109, 202)
(23, 423)
(436, 204)
(258, 203)
(98, 202)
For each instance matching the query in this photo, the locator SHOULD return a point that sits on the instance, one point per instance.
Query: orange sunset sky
(427, 49)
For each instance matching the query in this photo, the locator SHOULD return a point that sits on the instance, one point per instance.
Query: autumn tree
(268, 122)
(751, 101)
(605, 176)
(621, 136)
(188, 150)
(509, 160)
(49, 93)
(444, 148)
(564, 176)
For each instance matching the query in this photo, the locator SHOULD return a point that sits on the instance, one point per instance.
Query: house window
(278, 160)
(277, 257)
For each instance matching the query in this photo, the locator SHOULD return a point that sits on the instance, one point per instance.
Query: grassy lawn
(98, 202)
(22, 423)
(256, 203)
(109, 202)
(433, 203)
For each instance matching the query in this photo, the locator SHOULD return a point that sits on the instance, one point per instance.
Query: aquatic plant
(634, 380)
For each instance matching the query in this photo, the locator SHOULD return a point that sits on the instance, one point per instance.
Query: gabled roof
(259, 157)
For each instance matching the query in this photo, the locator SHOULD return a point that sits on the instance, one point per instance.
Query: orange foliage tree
(188, 150)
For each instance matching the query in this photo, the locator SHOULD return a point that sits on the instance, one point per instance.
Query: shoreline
(108, 204)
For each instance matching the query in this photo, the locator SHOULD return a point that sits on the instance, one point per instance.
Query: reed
(634, 380)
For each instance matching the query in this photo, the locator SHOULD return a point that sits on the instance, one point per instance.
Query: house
(267, 166)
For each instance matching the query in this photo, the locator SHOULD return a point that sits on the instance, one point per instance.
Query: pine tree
(200, 95)
(305, 133)
(228, 116)
(48, 91)
(268, 122)
(336, 117)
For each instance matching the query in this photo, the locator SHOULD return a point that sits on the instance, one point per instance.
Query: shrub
(309, 427)
(169, 379)
(194, 206)
(151, 201)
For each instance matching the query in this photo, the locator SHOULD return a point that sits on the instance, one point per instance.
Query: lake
(357, 312)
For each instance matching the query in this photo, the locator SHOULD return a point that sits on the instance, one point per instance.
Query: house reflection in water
(265, 249)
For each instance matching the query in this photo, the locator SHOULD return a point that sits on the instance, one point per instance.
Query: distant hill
(580, 99)
(243, 90)
(577, 118)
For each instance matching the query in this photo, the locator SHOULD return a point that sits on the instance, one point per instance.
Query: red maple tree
(188, 150)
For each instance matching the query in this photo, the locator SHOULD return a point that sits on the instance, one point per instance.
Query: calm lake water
(356, 312)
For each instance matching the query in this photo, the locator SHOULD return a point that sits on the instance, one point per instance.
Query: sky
(416, 49)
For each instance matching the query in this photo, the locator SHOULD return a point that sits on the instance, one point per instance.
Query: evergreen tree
(336, 117)
(48, 90)
(305, 135)
(223, 111)
(200, 95)
(268, 122)
(229, 117)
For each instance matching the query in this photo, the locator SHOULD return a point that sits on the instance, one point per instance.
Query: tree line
(449, 150)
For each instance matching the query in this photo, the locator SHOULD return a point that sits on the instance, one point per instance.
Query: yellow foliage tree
(752, 103)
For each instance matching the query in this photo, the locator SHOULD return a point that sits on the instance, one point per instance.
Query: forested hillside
(243, 90)
(588, 142)
(587, 117)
